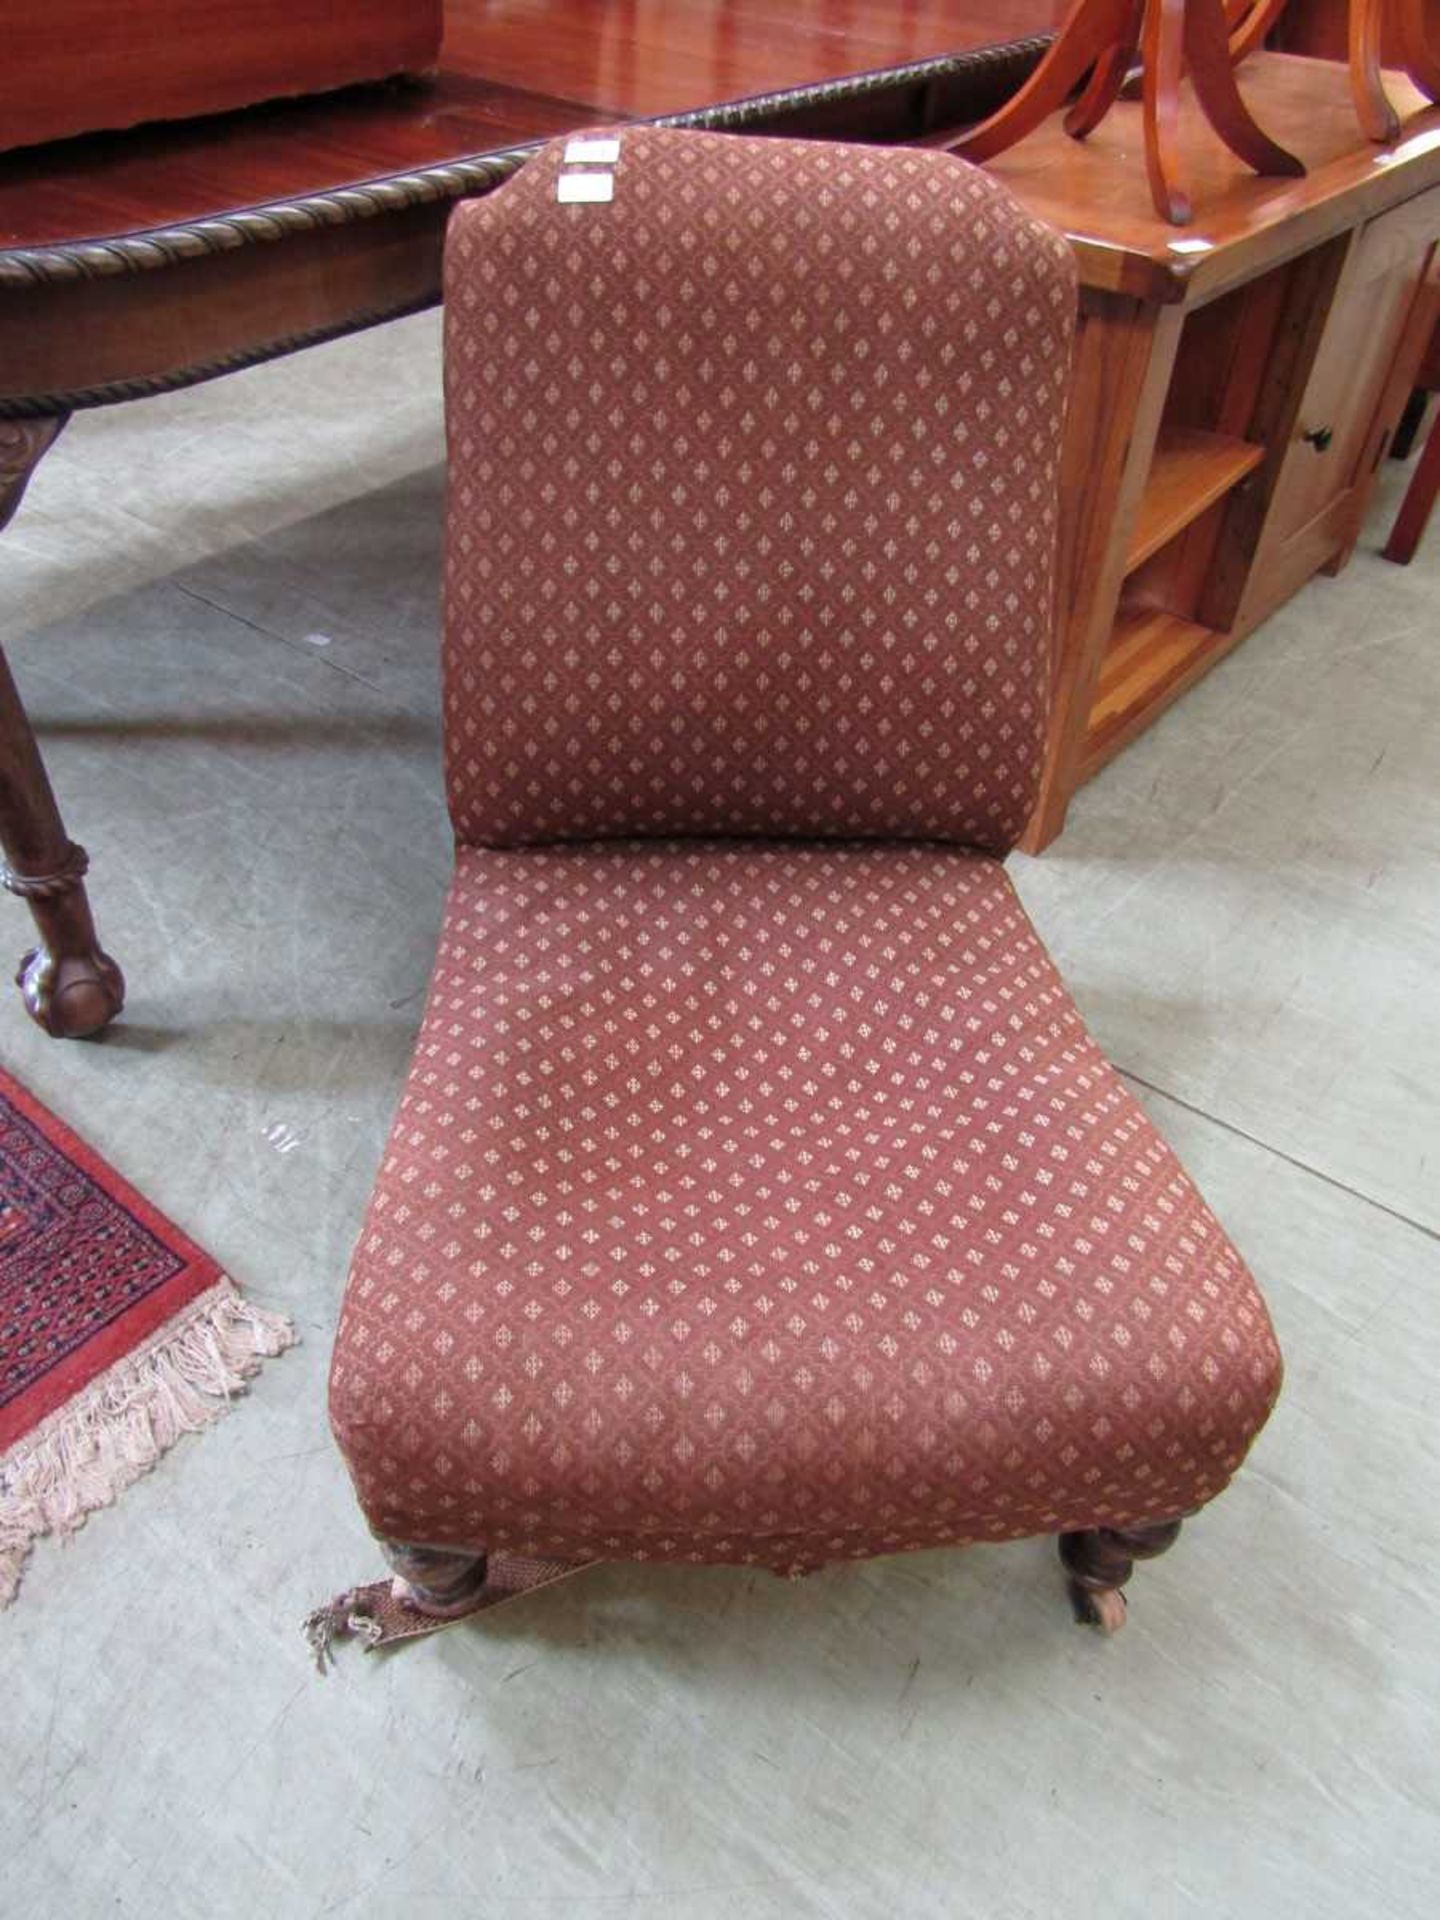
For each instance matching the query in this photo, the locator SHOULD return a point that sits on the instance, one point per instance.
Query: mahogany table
(1234, 387)
(135, 263)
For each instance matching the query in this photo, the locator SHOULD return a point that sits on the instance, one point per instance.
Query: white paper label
(574, 187)
(602, 152)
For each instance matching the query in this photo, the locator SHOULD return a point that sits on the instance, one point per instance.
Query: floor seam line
(1303, 1166)
(269, 633)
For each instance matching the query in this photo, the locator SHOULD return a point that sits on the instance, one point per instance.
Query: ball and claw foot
(73, 995)
(70, 985)
(440, 1581)
(1100, 1560)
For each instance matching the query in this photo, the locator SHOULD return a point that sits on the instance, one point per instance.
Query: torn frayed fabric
(378, 1616)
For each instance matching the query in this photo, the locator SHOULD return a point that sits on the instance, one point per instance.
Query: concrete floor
(222, 609)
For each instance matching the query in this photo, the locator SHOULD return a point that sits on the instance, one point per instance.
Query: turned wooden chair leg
(71, 985)
(442, 1581)
(1100, 1560)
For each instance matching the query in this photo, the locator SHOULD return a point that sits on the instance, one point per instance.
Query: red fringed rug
(117, 1334)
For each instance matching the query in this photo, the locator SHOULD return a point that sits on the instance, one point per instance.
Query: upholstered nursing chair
(757, 1194)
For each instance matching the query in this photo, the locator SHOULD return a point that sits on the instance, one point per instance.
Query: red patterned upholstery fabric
(753, 486)
(757, 1193)
(772, 1204)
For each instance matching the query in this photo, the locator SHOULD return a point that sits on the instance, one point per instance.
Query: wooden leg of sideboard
(1124, 356)
(71, 986)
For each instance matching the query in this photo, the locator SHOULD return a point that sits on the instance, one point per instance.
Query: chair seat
(771, 1203)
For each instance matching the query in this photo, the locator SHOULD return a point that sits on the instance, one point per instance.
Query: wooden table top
(1095, 190)
(358, 185)
(508, 75)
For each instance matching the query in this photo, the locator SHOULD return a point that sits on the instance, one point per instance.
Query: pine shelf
(1191, 470)
(1153, 656)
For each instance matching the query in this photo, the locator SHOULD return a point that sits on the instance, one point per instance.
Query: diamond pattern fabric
(757, 1193)
(753, 485)
(773, 1205)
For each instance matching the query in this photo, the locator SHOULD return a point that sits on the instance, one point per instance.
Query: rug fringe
(86, 1453)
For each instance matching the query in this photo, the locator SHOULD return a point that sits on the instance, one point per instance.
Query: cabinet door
(1325, 477)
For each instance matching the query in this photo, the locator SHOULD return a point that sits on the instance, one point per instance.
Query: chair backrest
(754, 469)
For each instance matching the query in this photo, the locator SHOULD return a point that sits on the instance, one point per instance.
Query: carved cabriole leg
(435, 1580)
(70, 985)
(1101, 1560)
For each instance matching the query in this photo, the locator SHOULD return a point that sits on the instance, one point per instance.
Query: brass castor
(1106, 1609)
(1100, 1560)
(441, 1581)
